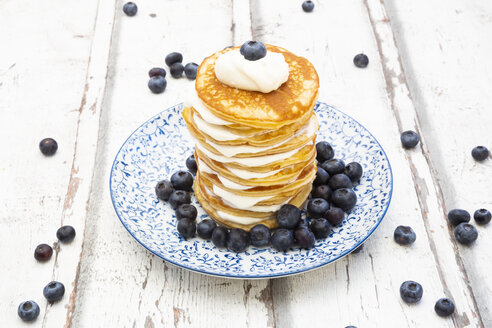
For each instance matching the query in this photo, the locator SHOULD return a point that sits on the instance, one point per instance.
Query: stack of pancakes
(255, 151)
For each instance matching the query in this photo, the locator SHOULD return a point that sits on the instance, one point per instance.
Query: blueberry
(409, 139)
(48, 146)
(444, 307)
(28, 310)
(186, 211)
(458, 216)
(322, 191)
(361, 60)
(465, 233)
(480, 153)
(404, 235)
(157, 71)
(186, 228)
(308, 6)
(220, 236)
(339, 181)
(260, 235)
(324, 151)
(353, 171)
(333, 166)
(205, 228)
(238, 240)
(335, 216)
(289, 216)
(344, 198)
(482, 216)
(253, 50)
(320, 228)
(411, 291)
(304, 238)
(351, 327)
(65, 234)
(43, 252)
(179, 197)
(173, 57)
(317, 208)
(182, 180)
(358, 249)
(54, 291)
(164, 189)
(191, 164)
(282, 239)
(130, 9)
(157, 84)
(321, 177)
(190, 70)
(176, 70)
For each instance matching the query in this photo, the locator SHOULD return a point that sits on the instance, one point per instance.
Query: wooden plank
(121, 284)
(446, 63)
(363, 290)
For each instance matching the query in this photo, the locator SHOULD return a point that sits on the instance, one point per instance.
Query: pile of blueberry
(174, 60)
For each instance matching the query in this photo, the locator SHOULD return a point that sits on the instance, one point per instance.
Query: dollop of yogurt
(264, 75)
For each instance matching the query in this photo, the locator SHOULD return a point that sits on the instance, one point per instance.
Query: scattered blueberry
(260, 235)
(186, 211)
(48, 146)
(320, 228)
(173, 57)
(157, 84)
(333, 166)
(220, 236)
(353, 171)
(164, 189)
(179, 197)
(182, 180)
(238, 240)
(322, 191)
(282, 239)
(344, 198)
(321, 177)
(404, 235)
(480, 153)
(253, 50)
(317, 208)
(289, 216)
(411, 291)
(457, 216)
(361, 60)
(465, 233)
(65, 234)
(205, 228)
(191, 164)
(43, 252)
(351, 326)
(358, 249)
(308, 6)
(335, 216)
(54, 291)
(444, 307)
(130, 9)
(186, 228)
(324, 151)
(28, 310)
(190, 70)
(157, 71)
(409, 139)
(339, 181)
(176, 70)
(482, 216)
(304, 238)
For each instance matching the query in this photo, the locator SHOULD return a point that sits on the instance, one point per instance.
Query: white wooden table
(77, 71)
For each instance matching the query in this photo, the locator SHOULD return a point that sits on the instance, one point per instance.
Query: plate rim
(231, 276)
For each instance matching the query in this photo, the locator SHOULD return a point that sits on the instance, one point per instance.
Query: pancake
(291, 102)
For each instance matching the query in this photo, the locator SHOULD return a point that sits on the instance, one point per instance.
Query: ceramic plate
(160, 147)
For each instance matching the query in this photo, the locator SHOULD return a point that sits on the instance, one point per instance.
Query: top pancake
(292, 101)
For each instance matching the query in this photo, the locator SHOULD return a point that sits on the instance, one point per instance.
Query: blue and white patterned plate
(160, 147)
